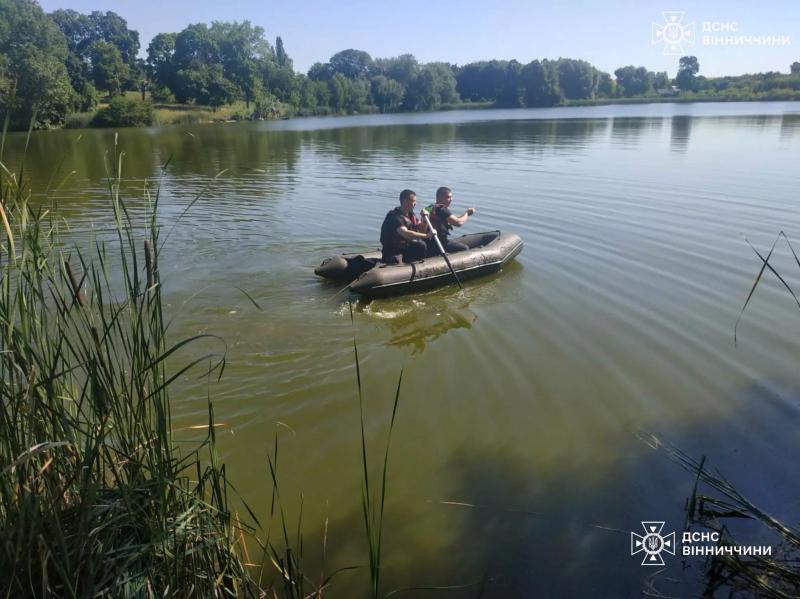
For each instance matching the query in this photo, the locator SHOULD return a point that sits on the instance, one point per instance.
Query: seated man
(443, 220)
(402, 234)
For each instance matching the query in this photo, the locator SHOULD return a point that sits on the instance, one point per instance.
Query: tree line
(63, 62)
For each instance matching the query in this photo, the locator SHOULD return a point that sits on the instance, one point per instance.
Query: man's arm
(457, 221)
(410, 235)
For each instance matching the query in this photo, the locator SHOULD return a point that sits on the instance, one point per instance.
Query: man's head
(444, 195)
(408, 200)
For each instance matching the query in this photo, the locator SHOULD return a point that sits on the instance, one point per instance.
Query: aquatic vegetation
(716, 503)
(95, 497)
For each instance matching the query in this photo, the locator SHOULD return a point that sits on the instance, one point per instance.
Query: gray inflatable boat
(488, 253)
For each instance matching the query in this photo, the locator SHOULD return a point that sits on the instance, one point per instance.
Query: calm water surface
(522, 395)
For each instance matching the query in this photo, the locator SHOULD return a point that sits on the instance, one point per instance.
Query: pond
(517, 454)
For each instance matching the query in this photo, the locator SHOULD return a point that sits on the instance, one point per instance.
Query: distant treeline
(55, 64)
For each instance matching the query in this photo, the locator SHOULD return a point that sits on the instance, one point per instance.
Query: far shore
(185, 114)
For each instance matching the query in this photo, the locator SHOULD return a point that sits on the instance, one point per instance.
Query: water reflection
(680, 131)
(626, 132)
(416, 329)
(790, 125)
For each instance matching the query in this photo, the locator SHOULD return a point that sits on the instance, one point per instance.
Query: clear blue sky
(608, 34)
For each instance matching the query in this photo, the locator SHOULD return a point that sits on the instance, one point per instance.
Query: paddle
(441, 249)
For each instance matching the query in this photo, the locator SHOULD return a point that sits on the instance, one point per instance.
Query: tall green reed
(95, 499)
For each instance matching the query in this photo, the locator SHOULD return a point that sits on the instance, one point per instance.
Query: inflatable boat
(488, 253)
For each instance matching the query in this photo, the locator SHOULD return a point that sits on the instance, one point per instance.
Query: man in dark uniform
(443, 220)
(402, 234)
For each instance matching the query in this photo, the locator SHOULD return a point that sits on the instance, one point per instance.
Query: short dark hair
(442, 191)
(406, 194)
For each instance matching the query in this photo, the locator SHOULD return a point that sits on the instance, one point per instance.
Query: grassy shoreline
(165, 115)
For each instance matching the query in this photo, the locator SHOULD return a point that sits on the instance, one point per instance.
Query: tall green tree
(83, 31)
(606, 87)
(403, 68)
(109, 71)
(661, 80)
(339, 88)
(577, 78)
(241, 49)
(539, 85)
(509, 94)
(444, 82)
(688, 67)
(635, 81)
(160, 59)
(33, 75)
(353, 64)
(280, 54)
(388, 93)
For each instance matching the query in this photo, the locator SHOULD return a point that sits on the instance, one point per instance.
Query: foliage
(226, 62)
(606, 86)
(108, 68)
(160, 64)
(388, 93)
(540, 84)
(577, 78)
(124, 112)
(84, 32)
(688, 68)
(353, 64)
(33, 75)
(96, 499)
(635, 81)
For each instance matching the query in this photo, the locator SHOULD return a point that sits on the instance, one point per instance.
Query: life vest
(395, 240)
(441, 225)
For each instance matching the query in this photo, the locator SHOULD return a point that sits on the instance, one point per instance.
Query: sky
(608, 34)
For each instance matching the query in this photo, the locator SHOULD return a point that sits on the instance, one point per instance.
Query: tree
(339, 88)
(205, 84)
(688, 67)
(421, 92)
(160, 63)
(33, 75)
(403, 68)
(353, 64)
(538, 83)
(83, 31)
(605, 85)
(661, 80)
(242, 50)
(280, 54)
(108, 68)
(320, 72)
(388, 93)
(112, 28)
(635, 81)
(444, 82)
(795, 68)
(576, 78)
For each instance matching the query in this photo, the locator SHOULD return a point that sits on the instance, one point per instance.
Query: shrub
(161, 93)
(124, 112)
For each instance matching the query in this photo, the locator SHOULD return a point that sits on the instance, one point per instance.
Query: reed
(95, 498)
(716, 503)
